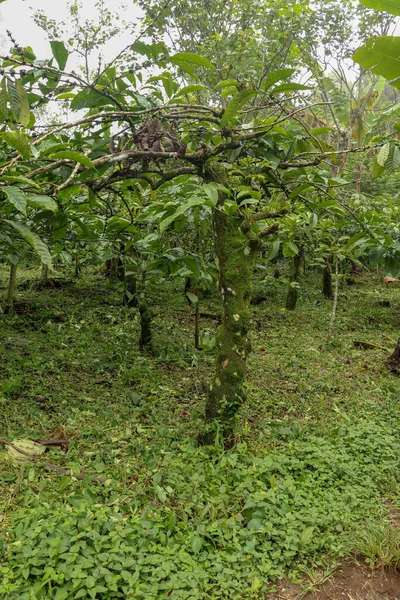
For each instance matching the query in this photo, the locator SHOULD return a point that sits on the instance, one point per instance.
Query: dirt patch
(351, 582)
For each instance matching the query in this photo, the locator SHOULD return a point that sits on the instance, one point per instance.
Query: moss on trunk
(327, 289)
(293, 292)
(11, 289)
(236, 255)
(145, 340)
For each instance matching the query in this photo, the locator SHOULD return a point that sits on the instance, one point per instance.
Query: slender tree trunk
(77, 266)
(197, 325)
(335, 301)
(130, 291)
(327, 289)
(293, 292)
(11, 289)
(394, 361)
(44, 276)
(145, 340)
(236, 256)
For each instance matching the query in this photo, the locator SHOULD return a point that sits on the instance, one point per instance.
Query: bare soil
(350, 582)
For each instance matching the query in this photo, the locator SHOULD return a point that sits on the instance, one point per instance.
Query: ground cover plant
(199, 254)
(315, 468)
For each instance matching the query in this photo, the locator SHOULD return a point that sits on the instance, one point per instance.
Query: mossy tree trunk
(293, 292)
(145, 340)
(11, 289)
(130, 291)
(44, 275)
(327, 288)
(236, 256)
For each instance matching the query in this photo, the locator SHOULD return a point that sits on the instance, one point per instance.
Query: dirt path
(350, 582)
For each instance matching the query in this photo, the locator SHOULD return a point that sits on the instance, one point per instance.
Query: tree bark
(393, 361)
(44, 276)
(335, 301)
(236, 256)
(130, 291)
(11, 289)
(293, 292)
(145, 340)
(327, 289)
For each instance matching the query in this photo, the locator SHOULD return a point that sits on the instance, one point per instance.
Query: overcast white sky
(16, 15)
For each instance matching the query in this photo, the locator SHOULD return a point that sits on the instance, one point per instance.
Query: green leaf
(75, 156)
(33, 240)
(28, 447)
(289, 87)
(89, 98)
(227, 83)
(289, 249)
(189, 89)
(60, 53)
(381, 55)
(16, 197)
(19, 179)
(389, 6)
(276, 76)
(383, 154)
(24, 115)
(197, 543)
(254, 524)
(192, 297)
(180, 211)
(273, 250)
(20, 141)
(236, 104)
(3, 99)
(229, 91)
(212, 192)
(62, 594)
(191, 58)
(43, 202)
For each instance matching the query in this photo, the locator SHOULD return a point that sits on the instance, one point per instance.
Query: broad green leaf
(320, 130)
(20, 141)
(180, 211)
(228, 91)
(192, 297)
(3, 99)
(191, 58)
(276, 76)
(212, 192)
(189, 89)
(149, 50)
(390, 6)
(60, 53)
(19, 102)
(289, 87)
(43, 202)
(383, 154)
(254, 524)
(30, 448)
(89, 98)
(381, 55)
(289, 249)
(33, 240)
(273, 250)
(236, 104)
(75, 156)
(227, 83)
(24, 115)
(19, 179)
(197, 543)
(16, 197)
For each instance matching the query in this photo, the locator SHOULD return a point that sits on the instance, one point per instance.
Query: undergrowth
(317, 454)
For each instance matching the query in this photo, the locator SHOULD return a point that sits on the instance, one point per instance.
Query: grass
(317, 454)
